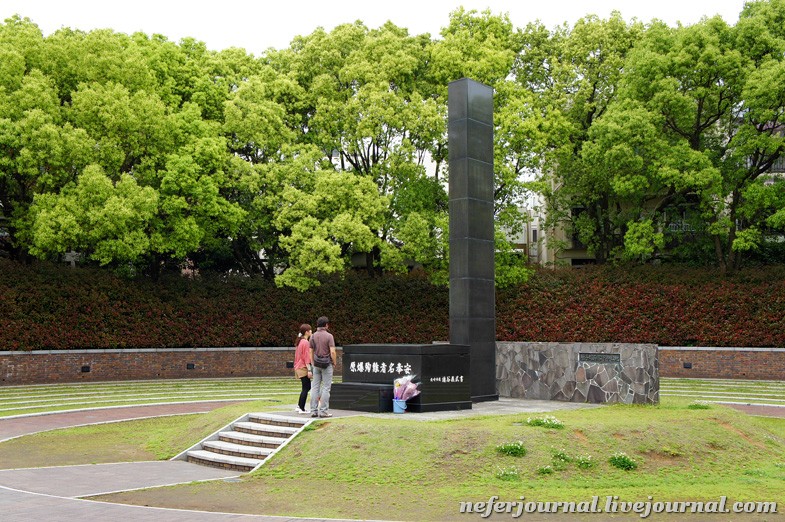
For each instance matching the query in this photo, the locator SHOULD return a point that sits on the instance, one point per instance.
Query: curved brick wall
(59, 366)
(723, 363)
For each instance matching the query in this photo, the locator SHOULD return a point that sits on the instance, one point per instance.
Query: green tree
(485, 47)
(324, 218)
(708, 103)
(104, 221)
(364, 104)
(99, 107)
(40, 150)
(565, 80)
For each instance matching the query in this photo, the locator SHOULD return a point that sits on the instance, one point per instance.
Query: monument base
(442, 371)
(358, 396)
(485, 398)
(414, 405)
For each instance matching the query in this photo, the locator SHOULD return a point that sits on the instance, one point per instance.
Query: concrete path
(19, 506)
(762, 410)
(99, 479)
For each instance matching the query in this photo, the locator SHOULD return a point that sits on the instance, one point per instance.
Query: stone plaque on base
(441, 369)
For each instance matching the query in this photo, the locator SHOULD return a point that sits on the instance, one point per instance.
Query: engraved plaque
(600, 358)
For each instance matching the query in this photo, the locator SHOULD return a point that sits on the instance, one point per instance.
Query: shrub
(50, 307)
(623, 461)
(548, 421)
(560, 459)
(513, 449)
(47, 306)
(585, 462)
(508, 474)
(545, 470)
(561, 455)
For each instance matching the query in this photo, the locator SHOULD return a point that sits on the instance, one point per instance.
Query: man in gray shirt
(322, 347)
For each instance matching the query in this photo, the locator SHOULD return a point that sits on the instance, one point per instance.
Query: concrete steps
(247, 439)
(244, 444)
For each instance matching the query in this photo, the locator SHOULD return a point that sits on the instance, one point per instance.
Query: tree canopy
(144, 154)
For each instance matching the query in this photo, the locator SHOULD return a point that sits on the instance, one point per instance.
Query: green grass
(382, 467)
(138, 440)
(724, 391)
(24, 400)
(386, 467)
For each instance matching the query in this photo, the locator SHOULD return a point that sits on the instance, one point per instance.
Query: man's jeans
(320, 389)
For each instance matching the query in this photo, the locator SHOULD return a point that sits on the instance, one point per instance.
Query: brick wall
(61, 366)
(723, 363)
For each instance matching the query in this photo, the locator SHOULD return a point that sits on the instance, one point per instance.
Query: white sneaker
(298, 410)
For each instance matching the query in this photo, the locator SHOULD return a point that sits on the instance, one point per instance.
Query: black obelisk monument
(472, 290)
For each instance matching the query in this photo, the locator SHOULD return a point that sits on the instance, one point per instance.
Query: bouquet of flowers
(405, 388)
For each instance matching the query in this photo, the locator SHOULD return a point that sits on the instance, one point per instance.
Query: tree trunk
(718, 251)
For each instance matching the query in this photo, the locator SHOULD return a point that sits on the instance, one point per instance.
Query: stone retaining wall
(578, 372)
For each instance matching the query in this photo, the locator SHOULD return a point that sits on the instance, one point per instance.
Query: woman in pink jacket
(302, 364)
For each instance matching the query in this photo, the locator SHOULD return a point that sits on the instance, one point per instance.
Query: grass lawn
(386, 468)
(391, 467)
(146, 439)
(25, 400)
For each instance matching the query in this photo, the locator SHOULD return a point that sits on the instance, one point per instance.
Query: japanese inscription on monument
(600, 358)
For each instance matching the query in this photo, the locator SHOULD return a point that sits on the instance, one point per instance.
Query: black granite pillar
(472, 290)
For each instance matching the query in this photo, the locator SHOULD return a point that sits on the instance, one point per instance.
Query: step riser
(236, 453)
(283, 424)
(221, 465)
(258, 431)
(269, 445)
(213, 453)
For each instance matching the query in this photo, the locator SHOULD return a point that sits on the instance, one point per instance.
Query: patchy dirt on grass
(741, 434)
(582, 438)
(662, 459)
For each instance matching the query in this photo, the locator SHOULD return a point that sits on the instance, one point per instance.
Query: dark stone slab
(472, 269)
(595, 394)
(470, 254)
(471, 299)
(441, 369)
(470, 139)
(483, 386)
(474, 328)
(361, 396)
(602, 358)
(469, 218)
(473, 179)
(476, 101)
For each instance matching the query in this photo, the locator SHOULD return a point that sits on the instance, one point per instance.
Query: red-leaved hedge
(54, 307)
(663, 305)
